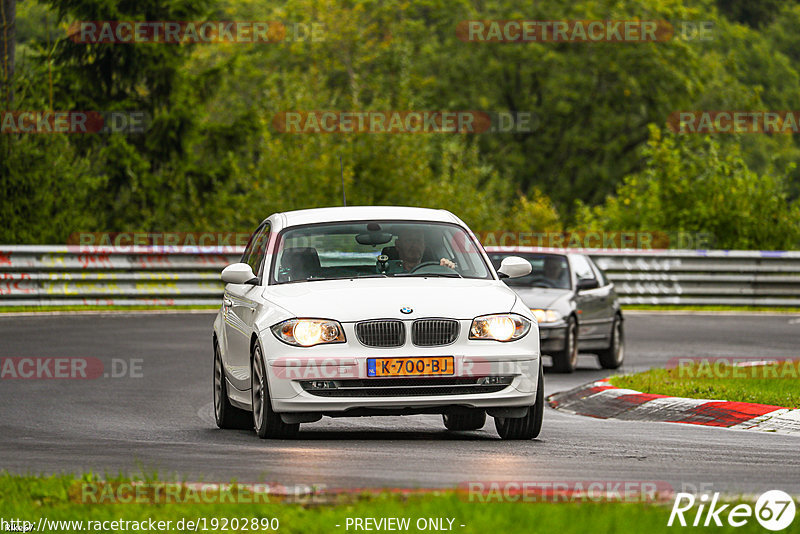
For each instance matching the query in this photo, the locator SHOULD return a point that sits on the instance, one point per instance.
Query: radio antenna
(341, 167)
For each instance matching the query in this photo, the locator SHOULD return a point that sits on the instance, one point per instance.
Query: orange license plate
(428, 366)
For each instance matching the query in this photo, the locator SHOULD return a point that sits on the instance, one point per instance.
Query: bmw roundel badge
(406, 310)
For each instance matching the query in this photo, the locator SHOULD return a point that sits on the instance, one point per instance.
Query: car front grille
(434, 332)
(383, 333)
(403, 387)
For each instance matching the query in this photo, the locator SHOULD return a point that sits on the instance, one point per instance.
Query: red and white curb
(603, 401)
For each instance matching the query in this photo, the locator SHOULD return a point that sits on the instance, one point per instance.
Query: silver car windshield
(547, 270)
(372, 249)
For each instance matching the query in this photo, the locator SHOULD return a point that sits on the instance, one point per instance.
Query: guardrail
(108, 276)
(690, 278)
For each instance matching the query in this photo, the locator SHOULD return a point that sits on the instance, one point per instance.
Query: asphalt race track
(163, 420)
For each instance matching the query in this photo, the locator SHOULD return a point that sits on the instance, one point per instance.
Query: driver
(555, 271)
(410, 244)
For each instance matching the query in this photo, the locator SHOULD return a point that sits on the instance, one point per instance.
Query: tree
(8, 18)
(212, 160)
(691, 184)
(754, 13)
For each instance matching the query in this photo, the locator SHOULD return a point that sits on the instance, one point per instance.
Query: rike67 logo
(774, 510)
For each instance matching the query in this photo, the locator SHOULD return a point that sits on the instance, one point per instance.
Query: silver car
(575, 304)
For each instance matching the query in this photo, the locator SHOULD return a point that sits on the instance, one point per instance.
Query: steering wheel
(543, 281)
(442, 268)
(424, 264)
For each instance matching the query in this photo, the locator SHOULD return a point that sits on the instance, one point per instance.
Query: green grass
(31, 498)
(721, 383)
(678, 307)
(137, 307)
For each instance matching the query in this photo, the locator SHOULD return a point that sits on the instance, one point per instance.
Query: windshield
(547, 270)
(376, 249)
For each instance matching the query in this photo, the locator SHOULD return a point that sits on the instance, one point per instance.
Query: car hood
(541, 297)
(356, 300)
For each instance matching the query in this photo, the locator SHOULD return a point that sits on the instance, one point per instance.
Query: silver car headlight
(499, 327)
(309, 332)
(546, 316)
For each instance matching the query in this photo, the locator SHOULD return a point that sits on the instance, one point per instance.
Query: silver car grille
(382, 333)
(434, 332)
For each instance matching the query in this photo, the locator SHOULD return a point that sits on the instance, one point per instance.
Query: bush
(693, 183)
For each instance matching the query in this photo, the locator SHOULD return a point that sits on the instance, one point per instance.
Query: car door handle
(227, 302)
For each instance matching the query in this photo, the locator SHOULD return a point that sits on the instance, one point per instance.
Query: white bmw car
(367, 311)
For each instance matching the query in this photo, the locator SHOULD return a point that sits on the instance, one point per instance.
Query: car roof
(365, 213)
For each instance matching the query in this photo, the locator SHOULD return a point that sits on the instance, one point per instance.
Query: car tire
(266, 422)
(471, 420)
(226, 415)
(614, 355)
(565, 361)
(527, 427)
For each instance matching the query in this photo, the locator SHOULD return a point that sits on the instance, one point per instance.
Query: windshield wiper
(355, 277)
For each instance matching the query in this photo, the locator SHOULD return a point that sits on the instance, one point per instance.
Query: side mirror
(514, 267)
(588, 283)
(238, 273)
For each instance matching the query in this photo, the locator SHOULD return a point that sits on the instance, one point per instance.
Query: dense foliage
(600, 155)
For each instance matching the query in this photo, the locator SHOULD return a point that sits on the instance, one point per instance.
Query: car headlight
(546, 316)
(309, 332)
(499, 327)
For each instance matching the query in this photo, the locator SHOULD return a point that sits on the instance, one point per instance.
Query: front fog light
(494, 380)
(499, 327)
(309, 332)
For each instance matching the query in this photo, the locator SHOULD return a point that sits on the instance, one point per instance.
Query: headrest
(303, 258)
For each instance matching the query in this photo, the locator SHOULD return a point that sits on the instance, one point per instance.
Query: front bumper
(515, 365)
(553, 337)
